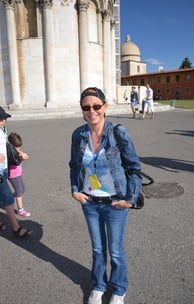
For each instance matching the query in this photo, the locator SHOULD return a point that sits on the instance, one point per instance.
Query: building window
(138, 69)
(177, 78)
(167, 79)
(158, 94)
(142, 81)
(158, 79)
(167, 91)
(134, 82)
(187, 90)
(150, 80)
(187, 77)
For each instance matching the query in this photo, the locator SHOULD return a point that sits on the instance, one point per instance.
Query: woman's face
(93, 109)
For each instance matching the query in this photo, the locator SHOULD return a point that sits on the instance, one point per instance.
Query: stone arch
(28, 19)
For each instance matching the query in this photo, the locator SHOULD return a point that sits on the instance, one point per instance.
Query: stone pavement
(53, 266)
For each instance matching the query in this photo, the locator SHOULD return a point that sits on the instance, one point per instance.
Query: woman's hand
(80, 197)
(122, 204)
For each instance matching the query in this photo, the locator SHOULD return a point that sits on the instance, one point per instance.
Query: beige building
(131, 63)
(50, 50)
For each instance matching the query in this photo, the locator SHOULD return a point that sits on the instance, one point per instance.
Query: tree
(186, 64)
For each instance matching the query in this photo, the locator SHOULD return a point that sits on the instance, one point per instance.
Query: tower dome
(130, 51)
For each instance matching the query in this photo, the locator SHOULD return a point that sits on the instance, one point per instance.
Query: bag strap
(133, 171)
(142, 174)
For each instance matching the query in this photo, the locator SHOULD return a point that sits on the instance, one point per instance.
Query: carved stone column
(12, 50)
(113, 61)
(49, 53)
(107, 58)
(83, 43)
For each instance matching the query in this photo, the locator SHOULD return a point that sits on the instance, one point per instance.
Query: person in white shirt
(6, 196)
(148, 102)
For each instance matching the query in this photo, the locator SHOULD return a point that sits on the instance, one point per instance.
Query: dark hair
(15, 139)
(93, 91)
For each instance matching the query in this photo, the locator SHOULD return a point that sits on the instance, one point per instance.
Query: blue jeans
(6, 196)
(107, 225)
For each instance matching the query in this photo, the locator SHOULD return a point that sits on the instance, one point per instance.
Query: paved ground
(54, 266)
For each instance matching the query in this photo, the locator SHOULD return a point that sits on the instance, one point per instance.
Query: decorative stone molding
(9, 4)
(112, 23)
(46, 3)
(83, 5)
(67, 2)
(106, 15)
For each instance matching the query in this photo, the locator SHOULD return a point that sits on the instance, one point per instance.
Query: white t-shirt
(3, 150)
(149, 93)
(102, 171)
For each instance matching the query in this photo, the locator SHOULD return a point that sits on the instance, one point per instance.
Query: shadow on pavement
(77, 273)
(168, 164)
(182, 132)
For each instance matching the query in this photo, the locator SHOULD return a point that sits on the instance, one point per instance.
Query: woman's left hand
(122, 204)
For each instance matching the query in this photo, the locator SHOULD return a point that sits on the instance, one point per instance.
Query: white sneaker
(95, 297)
(115, 299)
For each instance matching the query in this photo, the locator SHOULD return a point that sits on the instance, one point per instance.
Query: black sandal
(3, 227)
(25, 234)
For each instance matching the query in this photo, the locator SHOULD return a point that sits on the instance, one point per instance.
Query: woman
(6, 196)
(99, 183)
(148, 102)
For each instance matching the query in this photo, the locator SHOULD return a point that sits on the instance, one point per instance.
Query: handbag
(140, 200)
(13, 157)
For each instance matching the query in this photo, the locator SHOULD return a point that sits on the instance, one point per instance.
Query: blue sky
(162, 29)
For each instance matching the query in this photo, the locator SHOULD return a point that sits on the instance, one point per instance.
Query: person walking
(106, 193)
(148, 102)
(134, 101)
(6, 196)
(15, 174)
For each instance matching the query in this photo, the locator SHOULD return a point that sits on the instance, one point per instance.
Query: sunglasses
(94, 107)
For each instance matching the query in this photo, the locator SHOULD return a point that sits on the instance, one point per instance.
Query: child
(15, 174)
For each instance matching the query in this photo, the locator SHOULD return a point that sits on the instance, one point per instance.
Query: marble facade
(50, 50)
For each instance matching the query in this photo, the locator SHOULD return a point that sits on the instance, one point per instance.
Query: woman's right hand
(80, 197)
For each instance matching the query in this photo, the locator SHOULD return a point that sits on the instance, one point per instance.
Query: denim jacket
(127, 187)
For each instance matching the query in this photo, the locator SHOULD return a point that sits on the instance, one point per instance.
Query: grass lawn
(185, 104)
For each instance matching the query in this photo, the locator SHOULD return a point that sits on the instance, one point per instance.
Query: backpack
(140, 201)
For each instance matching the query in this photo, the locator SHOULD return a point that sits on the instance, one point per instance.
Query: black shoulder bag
(140, 201)
(13, 157)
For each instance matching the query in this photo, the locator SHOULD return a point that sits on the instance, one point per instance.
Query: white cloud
(153, 61)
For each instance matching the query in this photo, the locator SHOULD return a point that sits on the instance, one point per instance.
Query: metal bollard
(172, 103)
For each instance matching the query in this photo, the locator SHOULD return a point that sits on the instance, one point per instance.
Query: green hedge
(185, 104)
